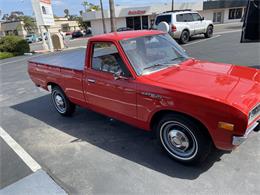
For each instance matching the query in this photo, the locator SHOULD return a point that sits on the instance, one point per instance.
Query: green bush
(14, 44)
(4, 55)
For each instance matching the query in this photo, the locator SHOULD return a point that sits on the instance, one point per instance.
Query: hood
(234, 85)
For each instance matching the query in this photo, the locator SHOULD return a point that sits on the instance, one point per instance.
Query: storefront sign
(43, 12)
(136, 12)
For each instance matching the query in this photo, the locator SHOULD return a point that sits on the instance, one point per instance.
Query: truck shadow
(115, 137)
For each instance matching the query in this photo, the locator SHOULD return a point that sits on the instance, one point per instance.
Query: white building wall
(97, 25)
(226, 14)
(208, 14)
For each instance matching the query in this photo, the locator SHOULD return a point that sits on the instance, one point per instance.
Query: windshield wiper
(153, 66)
(178, 58)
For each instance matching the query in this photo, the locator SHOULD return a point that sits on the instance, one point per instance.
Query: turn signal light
(226, 126)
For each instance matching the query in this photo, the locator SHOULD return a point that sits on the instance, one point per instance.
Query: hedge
(14, 44)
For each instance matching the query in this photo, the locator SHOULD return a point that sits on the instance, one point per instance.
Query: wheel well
(186, 30)
(52, 84)
(157, 116)
(211, 25)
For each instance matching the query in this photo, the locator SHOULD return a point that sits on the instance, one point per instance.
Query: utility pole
(103, 18)
(172, 5)
(112, 15)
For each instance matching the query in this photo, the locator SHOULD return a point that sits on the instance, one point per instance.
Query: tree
(90, 6)
(67, 13)
(83, 24)
(29, 24)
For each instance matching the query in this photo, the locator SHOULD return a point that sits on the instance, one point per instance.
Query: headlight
(254, 113)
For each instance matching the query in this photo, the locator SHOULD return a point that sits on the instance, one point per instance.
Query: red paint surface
(209, 92)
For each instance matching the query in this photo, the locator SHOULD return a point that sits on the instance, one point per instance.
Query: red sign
(136, 12)
(46, 1)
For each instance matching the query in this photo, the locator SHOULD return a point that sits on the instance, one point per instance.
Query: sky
(74, 6)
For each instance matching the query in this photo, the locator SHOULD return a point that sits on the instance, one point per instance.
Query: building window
(235, 13)
(44, 10)
(130, 22)
(137, 22)
(144, 22)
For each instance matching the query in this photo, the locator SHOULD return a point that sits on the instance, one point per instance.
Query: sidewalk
(39, 183)
(228, 27)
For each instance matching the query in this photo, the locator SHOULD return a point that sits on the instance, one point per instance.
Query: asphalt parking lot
(90, 154)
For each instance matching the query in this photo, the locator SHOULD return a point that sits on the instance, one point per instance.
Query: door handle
(91, 81)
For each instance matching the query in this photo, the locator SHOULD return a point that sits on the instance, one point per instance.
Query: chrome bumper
(237, 140)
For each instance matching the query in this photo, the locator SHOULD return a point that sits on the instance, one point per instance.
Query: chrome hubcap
(178, 139)
(59, 102)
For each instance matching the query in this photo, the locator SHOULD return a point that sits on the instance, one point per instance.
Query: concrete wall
(72, 25)
(13, 28)
(97, 25)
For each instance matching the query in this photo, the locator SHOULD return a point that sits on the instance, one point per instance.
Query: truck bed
(73, 59)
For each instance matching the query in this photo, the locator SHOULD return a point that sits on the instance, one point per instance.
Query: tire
(61, 102)
(185, 37)
(209, 32)
(183, 139)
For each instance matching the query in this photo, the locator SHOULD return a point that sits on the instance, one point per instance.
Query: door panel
(199, 25)
(116, 98)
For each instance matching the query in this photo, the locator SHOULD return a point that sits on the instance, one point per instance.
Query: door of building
(218, 17)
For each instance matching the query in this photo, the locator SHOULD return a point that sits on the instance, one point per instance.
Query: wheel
(183, 139)
(209, 32)
(185, 36)
(61, 102)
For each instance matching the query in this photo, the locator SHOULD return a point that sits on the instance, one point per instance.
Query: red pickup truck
(146, 79)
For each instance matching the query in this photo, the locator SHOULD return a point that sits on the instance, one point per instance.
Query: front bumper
(237, 140)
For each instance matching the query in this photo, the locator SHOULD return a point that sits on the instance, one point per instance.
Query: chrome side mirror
(119, 75)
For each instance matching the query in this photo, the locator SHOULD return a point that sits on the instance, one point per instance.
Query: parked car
(146, 79)
(124, 29)
(182, 24)
(68, 33)
(77, 34)
(32, 38)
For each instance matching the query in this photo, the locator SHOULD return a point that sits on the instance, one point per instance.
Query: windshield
(148, 54)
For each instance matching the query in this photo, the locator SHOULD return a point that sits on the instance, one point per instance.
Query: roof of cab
(117, 36)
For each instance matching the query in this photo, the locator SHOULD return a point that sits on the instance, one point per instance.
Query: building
(220, 11)
(62, 23)
(13, 28)
(135, 17)
(1, 30)
(17, 27)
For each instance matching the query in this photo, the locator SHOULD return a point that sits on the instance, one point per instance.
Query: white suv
(183, 24)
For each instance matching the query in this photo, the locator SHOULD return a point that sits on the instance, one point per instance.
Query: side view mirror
(119, 75)
(202, 18)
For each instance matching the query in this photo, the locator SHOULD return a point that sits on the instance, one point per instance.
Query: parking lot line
(28, 160)
(202, 40)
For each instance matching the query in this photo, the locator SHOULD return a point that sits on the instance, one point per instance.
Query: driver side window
(107, 59)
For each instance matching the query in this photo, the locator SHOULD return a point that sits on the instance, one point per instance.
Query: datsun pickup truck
(145, 79)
